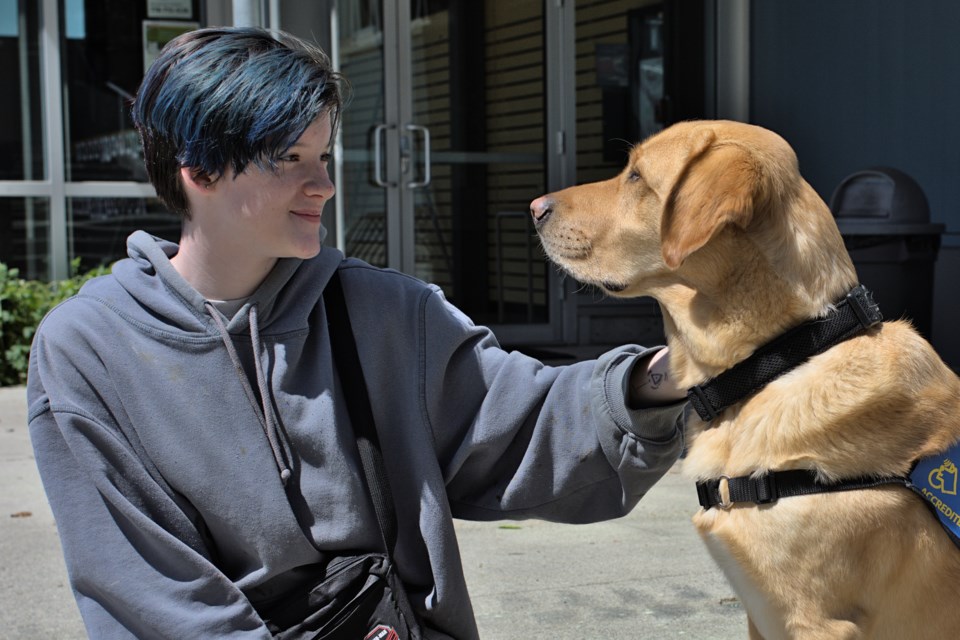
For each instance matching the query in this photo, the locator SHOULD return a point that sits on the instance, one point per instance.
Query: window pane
(361, 60)
(21, 137)
(105, 45)
(24, 223)
(478, 87)
(619, 94)
(98, 227)
(619, 82)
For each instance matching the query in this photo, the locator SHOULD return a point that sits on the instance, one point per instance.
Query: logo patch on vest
(935, 478)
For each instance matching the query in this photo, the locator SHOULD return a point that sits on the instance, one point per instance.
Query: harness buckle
(863, 306)
(701, 403)
(703, 495)
(710, 495)
(766, 489)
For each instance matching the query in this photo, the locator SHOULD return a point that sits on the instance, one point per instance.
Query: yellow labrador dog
(713, 219)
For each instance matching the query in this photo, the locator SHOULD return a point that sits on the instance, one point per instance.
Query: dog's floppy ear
(717, 187)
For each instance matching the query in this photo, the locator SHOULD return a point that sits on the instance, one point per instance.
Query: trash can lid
(881, 200)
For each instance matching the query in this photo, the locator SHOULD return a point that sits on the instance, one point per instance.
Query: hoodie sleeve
(517, 439)
(136, 559)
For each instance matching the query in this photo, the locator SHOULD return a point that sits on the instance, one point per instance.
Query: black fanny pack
(353, 597)
(359, 596)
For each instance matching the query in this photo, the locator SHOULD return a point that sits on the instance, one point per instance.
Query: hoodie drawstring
(263, 409)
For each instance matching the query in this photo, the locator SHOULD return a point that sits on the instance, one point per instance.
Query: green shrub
(23, 303)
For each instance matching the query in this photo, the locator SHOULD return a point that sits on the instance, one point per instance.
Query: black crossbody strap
(347, 362)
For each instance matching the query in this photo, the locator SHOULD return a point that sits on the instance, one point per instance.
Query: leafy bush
(23, 303)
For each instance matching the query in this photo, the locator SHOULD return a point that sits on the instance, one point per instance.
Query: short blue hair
(224, 97)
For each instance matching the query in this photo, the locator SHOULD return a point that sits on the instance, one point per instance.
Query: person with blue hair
(190, 417)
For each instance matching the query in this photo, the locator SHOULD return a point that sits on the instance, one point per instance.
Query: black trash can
(884, 218)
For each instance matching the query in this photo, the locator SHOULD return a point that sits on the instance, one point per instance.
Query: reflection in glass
(620, 100)
(471, 152)
(478, 88)
(98, 227)
(620, 92)
(103, 48)
(24, 223)
(363, 201)
(21, 137)
(646, 34)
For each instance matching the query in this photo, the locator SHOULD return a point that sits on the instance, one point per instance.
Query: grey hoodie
(162, 459)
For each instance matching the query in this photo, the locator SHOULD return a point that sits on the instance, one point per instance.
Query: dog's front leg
(752, 630)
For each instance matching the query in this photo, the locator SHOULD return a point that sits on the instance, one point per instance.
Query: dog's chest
(762, 612)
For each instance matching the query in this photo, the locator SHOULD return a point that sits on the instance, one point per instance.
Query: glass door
(360, 175)
(443, 148)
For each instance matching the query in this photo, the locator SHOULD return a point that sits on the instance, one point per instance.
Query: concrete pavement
(645, 577)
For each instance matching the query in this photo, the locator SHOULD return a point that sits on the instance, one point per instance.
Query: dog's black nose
(541, 208)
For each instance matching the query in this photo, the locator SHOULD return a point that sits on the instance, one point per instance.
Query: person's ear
(196, 180)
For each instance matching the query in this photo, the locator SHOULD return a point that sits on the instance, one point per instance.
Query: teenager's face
(277, 214)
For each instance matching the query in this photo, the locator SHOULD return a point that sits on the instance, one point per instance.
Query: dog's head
(682, 190)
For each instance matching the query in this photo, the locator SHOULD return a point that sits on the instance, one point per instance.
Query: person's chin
(307, 251)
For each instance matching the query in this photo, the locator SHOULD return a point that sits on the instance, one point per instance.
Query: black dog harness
(934, 478)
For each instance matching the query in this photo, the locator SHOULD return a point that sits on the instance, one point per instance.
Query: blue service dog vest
(935, 480)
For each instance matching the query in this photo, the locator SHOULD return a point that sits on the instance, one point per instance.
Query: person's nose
(319, 184)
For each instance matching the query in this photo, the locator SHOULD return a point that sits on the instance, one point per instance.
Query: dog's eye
(633, 176)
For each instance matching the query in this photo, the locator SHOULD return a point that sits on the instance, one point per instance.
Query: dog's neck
(747, 287)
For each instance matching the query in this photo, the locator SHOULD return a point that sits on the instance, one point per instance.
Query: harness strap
(935, 478)
(856, 313)
(770, 487)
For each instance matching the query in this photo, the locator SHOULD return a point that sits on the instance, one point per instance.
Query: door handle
(426, 157)
(378, 132)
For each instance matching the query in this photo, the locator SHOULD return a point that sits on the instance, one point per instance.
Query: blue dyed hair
(224, 97)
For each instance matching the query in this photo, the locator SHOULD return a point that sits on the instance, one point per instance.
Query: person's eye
(290, 157)
(326, 157)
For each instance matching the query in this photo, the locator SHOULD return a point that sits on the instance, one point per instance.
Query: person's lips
(307, 214)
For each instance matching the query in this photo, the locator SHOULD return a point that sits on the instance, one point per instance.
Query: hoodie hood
(281, 305)
(284, 299)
